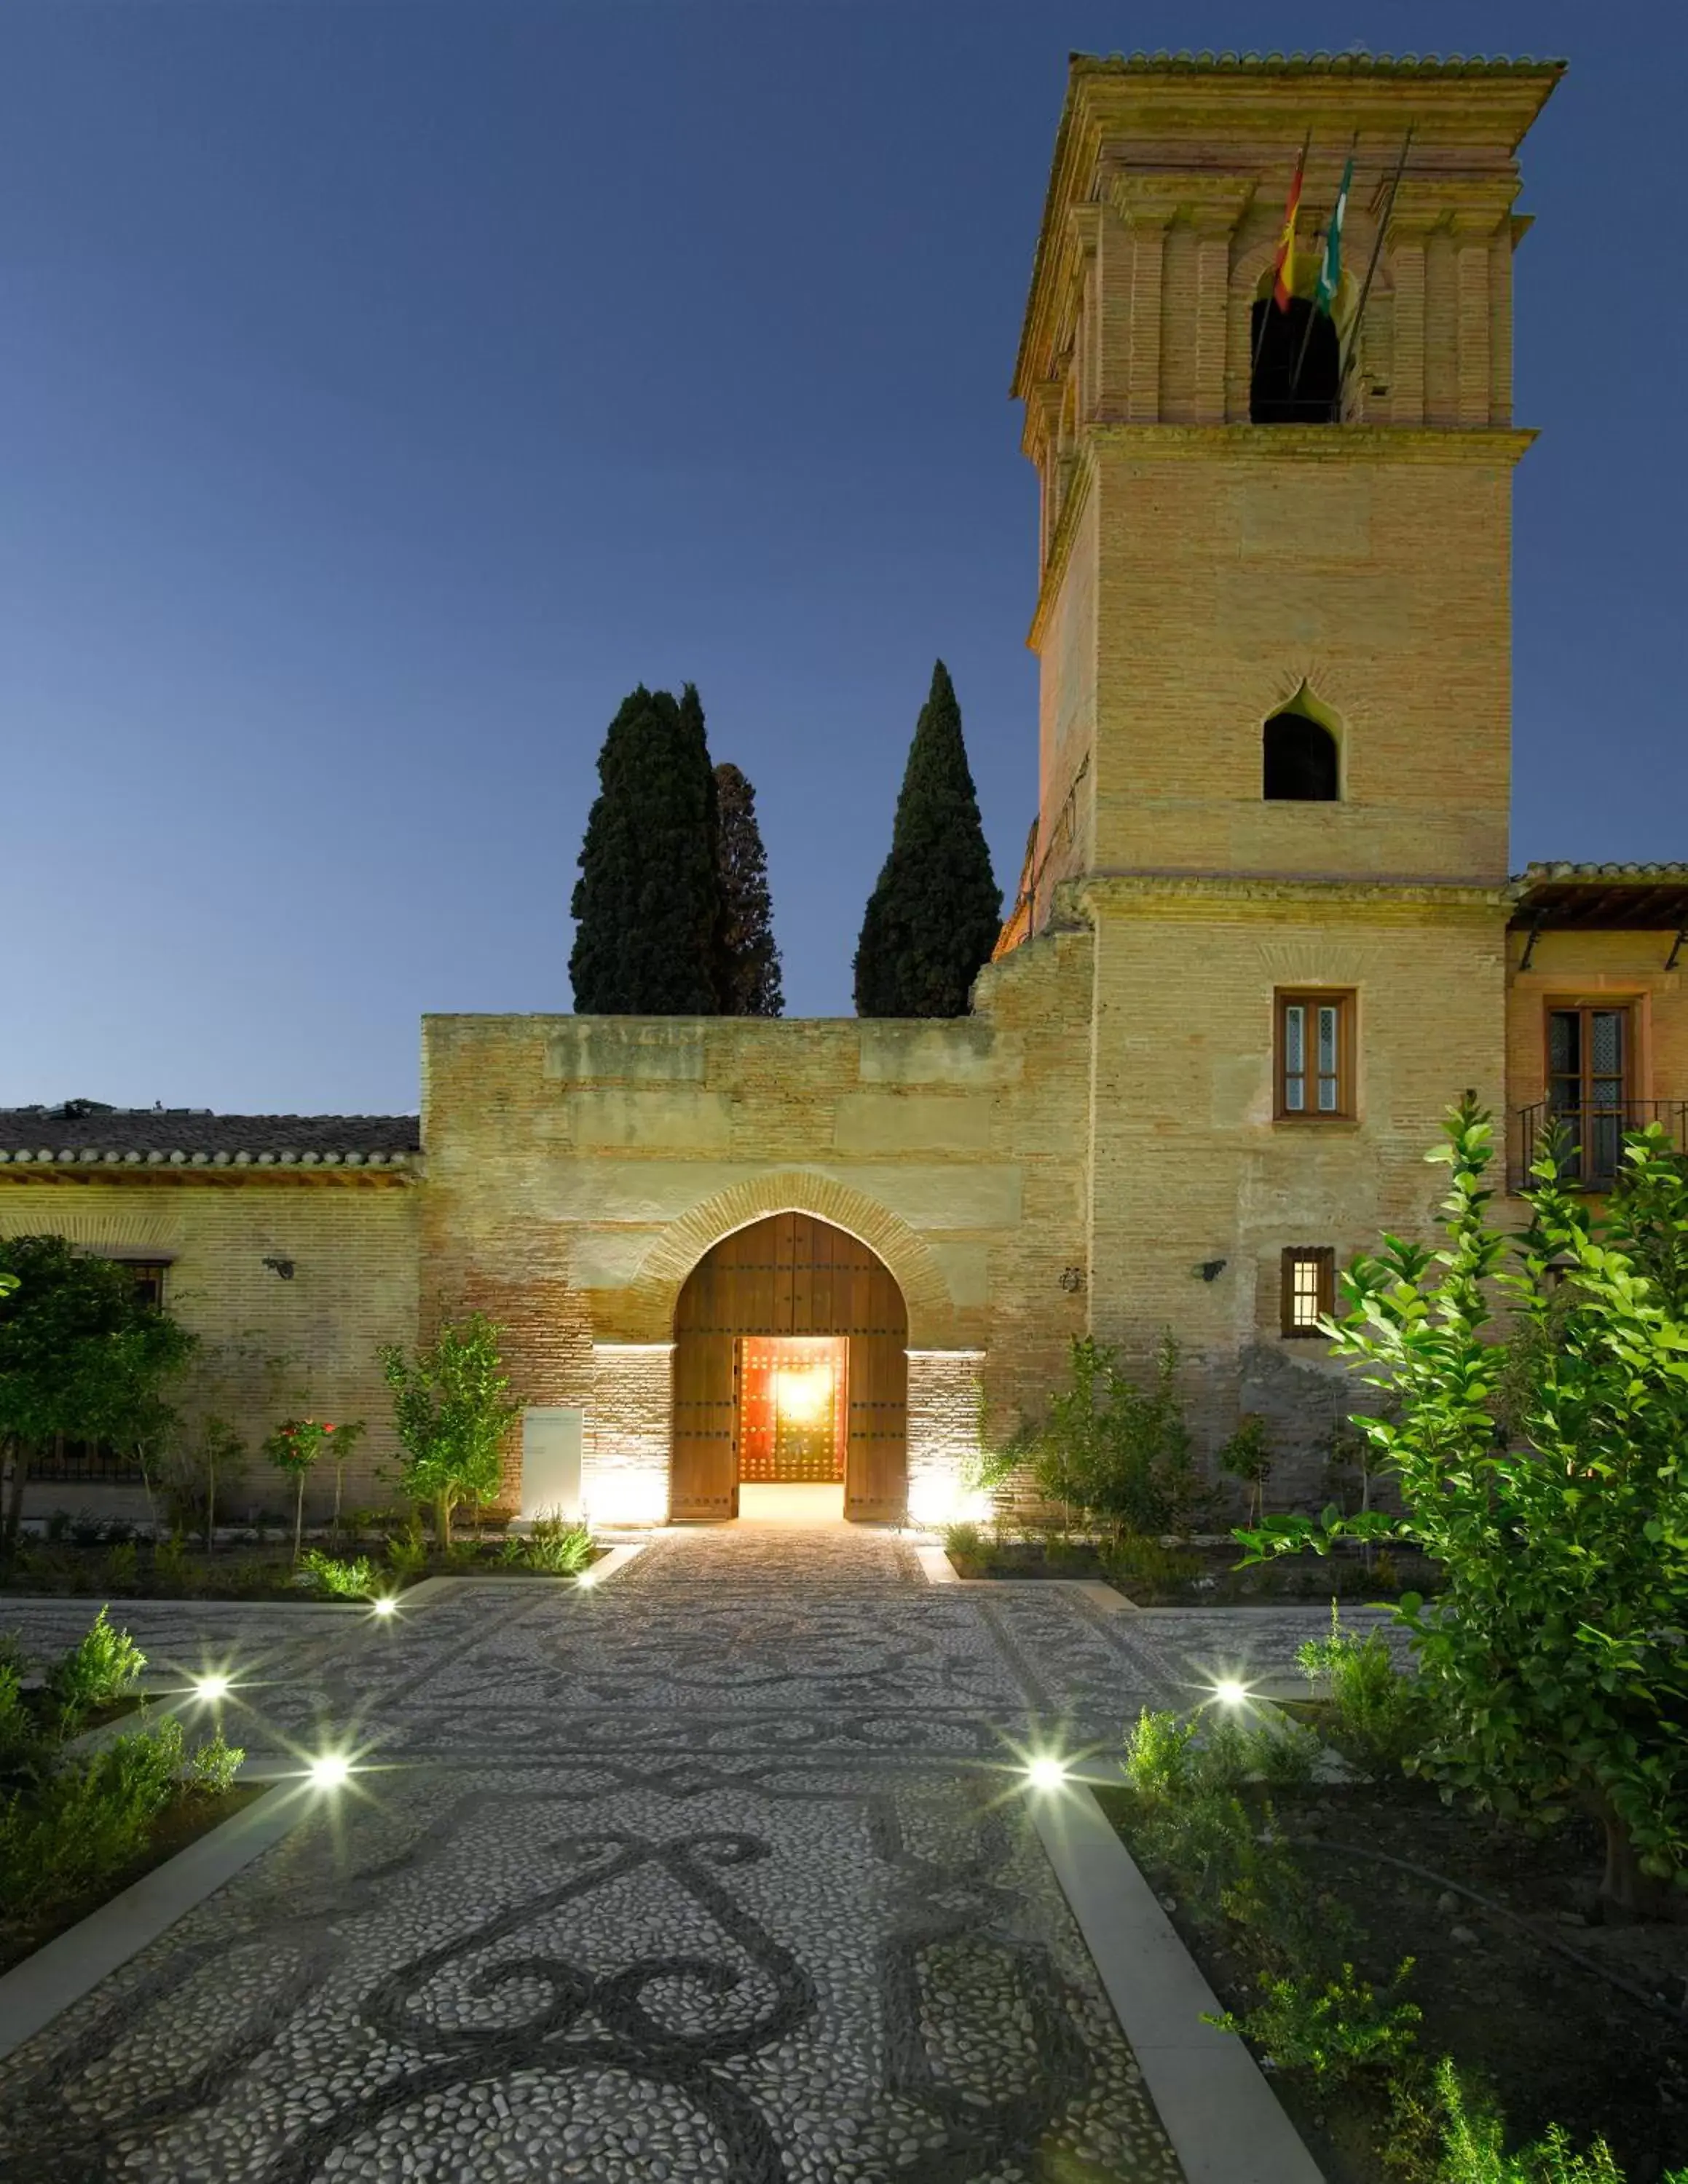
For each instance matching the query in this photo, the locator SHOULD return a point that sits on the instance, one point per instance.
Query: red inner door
(793, 1408)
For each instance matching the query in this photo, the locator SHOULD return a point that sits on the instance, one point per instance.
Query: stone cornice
(1224, 893)
(15, 1169)
(1377, 443)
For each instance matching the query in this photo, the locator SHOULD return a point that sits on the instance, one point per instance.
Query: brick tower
(1273, 622)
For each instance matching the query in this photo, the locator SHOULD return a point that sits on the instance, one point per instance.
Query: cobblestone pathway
(719, 1871)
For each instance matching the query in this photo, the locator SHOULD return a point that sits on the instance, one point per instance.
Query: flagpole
(1259, 338)
(1307, 330)
(1377, 253)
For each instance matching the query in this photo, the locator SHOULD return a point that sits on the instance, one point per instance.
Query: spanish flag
(1284, 265)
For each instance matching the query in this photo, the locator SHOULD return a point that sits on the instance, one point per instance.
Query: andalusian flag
(1330, 265)
(1284, 265)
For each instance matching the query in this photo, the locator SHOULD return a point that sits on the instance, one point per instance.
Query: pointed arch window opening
(1301, 758)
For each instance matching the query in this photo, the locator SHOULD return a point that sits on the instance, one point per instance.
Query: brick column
(1213, 303)
(1406, 369)
(1473, 233)
(624, 1470)
(943, 1434)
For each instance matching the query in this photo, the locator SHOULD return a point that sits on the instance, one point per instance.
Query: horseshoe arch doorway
(791, 1364)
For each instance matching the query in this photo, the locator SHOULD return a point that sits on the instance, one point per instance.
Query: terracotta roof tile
(83, 1132)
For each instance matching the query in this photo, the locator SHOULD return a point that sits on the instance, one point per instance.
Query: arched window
(1302, 762)
(1280, 341)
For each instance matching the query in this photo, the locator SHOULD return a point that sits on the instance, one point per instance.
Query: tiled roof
(1315, 64)
(1619, 898)
(82, 1133)
(1636, 875)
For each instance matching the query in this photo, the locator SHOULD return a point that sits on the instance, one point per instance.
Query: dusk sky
(387, 388)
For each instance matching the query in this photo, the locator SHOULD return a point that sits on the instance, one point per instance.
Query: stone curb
(1224, 2120)
(72, 1965)
(939, 1570)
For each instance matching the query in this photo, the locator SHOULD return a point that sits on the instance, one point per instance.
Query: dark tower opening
(1276, 395)
(1300, 760)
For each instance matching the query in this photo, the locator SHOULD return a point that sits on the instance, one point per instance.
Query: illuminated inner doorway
(793, 1411)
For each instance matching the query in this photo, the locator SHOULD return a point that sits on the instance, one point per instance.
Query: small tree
(747, 972)
(933, 918)
(1247, 1456)
(199, 1455)
(82, 1354)
(648, 902)
(451, 1405)
(294, 1447)
(1548, 1474)
(1117, 1454)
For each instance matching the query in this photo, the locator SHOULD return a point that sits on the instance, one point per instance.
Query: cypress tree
(747, 976)
(933, 919)
(648, 902)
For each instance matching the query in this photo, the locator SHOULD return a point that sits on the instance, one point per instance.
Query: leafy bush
(170, 1562)
(212, 1767)
(1445, 2133)
(406, 1555)
(21, 1749)
(1330, 2029)
(1146, 1570)
(452, 1408)
(352, 1579)
(100, 1668)
(1543, 1473)
(123, 1567)
(1113, 1455)
(1160, 1756)
(1247, 1456)
(966, 1540)
(552, 1544)
(1380, 1720)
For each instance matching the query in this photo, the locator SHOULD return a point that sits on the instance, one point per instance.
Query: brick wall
(353, 1245)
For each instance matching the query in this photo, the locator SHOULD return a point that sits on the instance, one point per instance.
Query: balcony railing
(1589, 1140)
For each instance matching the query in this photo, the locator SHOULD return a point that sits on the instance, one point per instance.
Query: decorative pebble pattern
(721, 1871)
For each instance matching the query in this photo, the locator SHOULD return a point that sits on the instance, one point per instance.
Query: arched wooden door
(790, 1275)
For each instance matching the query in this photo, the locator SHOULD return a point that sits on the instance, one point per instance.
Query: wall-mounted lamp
(1209, 1270)
(282, 1267)
(1072, 1280)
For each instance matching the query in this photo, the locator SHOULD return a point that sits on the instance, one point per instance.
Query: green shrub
(1450, 2134)
(1379, 1716)
(101, 1668)
(352, 1579)
(1146, 1570)
(966, 1540)
(1282, 1752)
(123, 1566)
(21, 1746)
(87, 1821)
(1159, 1762)
(552, 1544)
(170, 1563)
(1329, 2029)
(212, 1767)
(406, 1555)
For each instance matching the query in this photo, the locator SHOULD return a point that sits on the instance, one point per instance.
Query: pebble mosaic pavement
(720, 1871)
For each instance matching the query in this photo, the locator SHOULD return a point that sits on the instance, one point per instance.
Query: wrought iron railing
(1587, 1143)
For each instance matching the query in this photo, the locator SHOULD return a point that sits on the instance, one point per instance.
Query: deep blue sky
(387, 388)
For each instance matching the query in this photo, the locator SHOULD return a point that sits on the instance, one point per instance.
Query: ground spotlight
(384, 1603)
(211, 1687)
(1229, 1692)
(329, 1770)
(1046, 1772)
(587, 1577)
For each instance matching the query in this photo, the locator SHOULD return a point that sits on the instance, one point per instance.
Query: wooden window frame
(1344, 1001)
(1322, 1257)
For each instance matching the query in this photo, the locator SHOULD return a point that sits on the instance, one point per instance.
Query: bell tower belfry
(1274, 629)
(1248, 513)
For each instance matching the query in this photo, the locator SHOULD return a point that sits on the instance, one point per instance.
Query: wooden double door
(790, 1275)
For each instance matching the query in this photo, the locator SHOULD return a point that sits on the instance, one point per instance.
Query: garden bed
(1195, 1575)
(192, 1813)
(137, 1570)
(1557, 2043)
